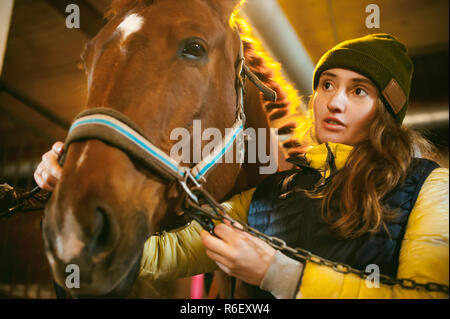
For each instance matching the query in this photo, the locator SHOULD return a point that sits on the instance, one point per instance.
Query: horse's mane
(286, 114)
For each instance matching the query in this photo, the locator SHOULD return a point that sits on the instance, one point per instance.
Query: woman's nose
(337, 101)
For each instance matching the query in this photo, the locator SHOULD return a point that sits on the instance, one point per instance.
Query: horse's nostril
(99, 240)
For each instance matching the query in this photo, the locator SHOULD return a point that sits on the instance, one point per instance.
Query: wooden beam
(6, 9)
(45, 112)
(26, 124)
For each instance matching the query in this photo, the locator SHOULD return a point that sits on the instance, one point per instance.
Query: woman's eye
(193, 51)
(360, 92)
(326, 85)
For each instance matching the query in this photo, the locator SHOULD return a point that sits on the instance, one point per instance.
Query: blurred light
(433, 117)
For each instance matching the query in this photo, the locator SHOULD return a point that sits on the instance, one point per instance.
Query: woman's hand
(49, 171)
(238, 254)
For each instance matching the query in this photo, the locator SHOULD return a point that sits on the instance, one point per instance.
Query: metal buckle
(187, 176)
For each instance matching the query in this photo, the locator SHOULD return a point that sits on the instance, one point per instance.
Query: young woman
(359, 195)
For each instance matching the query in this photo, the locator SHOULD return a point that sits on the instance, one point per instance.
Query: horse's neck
(256, 118)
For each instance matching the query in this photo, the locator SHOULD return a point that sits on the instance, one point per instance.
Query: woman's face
(344, 106)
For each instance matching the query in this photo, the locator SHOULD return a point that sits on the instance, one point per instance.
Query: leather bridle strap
(116, 129)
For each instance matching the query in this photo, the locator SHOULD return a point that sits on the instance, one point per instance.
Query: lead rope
(12, 200)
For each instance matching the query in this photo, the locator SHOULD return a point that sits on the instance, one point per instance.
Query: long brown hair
(374, 168)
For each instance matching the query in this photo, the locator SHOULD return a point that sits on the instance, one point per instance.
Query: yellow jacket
(423, 255)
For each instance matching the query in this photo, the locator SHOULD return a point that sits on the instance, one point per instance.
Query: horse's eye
(193, 51)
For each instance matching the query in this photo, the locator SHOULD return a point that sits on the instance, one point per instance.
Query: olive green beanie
(382, 59)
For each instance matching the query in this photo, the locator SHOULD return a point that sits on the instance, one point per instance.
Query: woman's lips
(333, 124)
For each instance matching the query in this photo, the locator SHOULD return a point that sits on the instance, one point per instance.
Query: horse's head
(162, 64)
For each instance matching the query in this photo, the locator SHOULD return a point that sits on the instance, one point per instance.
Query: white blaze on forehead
(130, 25)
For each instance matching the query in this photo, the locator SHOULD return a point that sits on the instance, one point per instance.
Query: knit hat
(379, 57)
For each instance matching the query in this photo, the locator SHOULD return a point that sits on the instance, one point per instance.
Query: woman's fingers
(214, 244)
(41, 178)
(57, 148)
(216, 250)
(225, 232)
(217, 258)
(49, 171)
(38, 178)
(224, 268)
(237, 253)
(49, 179)
(51, 164)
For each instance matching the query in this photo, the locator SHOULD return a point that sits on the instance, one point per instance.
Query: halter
(115, 128)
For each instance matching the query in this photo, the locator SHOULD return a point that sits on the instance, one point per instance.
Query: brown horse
(162, 64)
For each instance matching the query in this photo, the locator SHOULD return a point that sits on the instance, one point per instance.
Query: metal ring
(188, 191)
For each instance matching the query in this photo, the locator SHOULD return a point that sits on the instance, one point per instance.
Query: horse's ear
(226, 7)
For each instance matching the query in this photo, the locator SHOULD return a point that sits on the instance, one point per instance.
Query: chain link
(299, 254)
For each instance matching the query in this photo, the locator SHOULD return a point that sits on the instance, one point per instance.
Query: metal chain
(205, 217)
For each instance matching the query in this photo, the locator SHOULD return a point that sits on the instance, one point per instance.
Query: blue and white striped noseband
(116, 129)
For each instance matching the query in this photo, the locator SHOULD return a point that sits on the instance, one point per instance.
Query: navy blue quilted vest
(280, 208)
